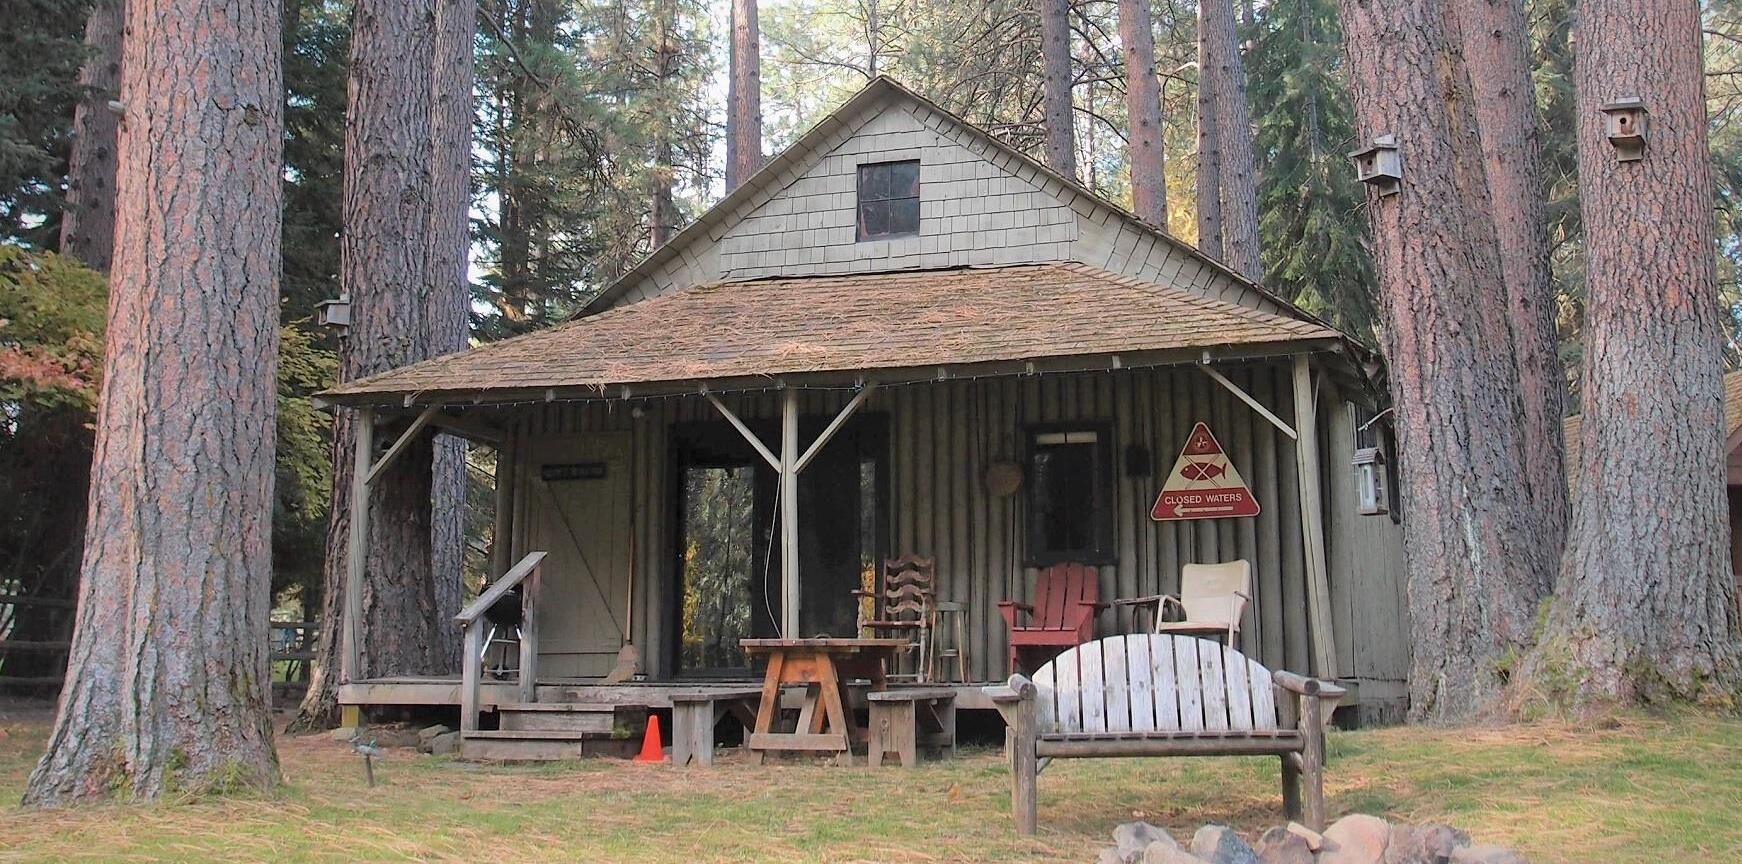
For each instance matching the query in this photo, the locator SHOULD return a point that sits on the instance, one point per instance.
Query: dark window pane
(904, 216)
(904, 180)
(1068, 478)
(873, 182)
(873, 218)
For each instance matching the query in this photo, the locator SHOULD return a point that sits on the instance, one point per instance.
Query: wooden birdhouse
(335, 312)
(1370, 494)
(1380, 165)
(1624, 121)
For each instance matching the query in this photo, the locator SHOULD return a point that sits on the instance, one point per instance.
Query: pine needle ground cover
(1636, 789)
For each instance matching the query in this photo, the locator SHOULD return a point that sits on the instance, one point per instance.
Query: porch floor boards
(445, 690)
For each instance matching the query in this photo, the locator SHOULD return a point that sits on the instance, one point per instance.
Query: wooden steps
(539, 731)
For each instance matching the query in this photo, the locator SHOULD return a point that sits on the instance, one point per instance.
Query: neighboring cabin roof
(1732, 419)
(912, 320)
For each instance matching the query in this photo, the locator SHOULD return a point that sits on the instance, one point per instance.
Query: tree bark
(1239, 176)
(168, 682)
(1472, 595)
(744, 97)
(87, 230)
(1055, 58)
(663, 212)
(1496, 51)
(1209, 191)
(1143, 110)
(1647, 605)
(384, 267)
(449, 299)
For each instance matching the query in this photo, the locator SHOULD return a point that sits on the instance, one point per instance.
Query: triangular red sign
(1203, 484)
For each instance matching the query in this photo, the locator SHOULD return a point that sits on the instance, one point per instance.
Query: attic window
(888, 199)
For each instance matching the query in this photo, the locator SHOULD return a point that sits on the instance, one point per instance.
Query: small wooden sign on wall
(1203, 484)
(572, 471)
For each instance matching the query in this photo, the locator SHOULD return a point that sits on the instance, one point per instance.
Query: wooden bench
(904, 718)
(695, 713)
(1157, 694)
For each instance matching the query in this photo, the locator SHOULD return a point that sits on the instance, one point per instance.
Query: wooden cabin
(903, 337)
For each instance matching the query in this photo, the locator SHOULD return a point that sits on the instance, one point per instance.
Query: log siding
(942, 436)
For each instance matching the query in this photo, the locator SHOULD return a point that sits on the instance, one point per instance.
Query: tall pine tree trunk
(384, 261)
(450, 298)
(1496, 51)
(744, 96)
(87, 229)
(663, 211)
(1209, 191)
(1647, 604)
(1472, 593)
(1143, 110)
(1055, 60)
(1239, 176)
(168, 684)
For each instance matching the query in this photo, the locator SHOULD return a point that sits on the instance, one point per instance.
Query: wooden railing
(471, 620)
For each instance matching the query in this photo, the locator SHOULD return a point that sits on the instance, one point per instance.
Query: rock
(344, 733)
(1110, 855)
(1486, 854)
(1169, 853)
(445, 744)
(1423, 844)
(426, 733)
(392, 736)
(1356, 839)
(1132, 839)
(1218, 844)
(1283, 846)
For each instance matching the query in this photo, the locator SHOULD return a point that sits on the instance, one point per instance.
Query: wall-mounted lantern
(1624, 121)
(1370, 496)
(335, 313)
(1380, 165)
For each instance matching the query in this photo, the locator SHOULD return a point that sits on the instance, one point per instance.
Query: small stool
(949, 641)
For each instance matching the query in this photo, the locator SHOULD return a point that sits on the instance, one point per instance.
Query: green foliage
(1314, 233)
(51, 330)
(303, 490)
(41, 47)
(317, 45)
(586, 106)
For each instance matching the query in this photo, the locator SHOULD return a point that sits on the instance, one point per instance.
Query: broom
(629, 659)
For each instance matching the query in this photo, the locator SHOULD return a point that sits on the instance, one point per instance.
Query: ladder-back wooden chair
(1067, 597)
(901, 606)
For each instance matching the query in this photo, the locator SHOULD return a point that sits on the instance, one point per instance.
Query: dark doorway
(726, 556)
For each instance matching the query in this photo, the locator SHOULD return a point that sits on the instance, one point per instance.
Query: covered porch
(724, 463)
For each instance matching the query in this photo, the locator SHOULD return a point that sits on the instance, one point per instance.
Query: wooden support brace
(835, 425)
(1251, 402)
(409, 435)
(756, 442)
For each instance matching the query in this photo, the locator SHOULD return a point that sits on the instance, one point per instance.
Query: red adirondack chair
(1066, 599)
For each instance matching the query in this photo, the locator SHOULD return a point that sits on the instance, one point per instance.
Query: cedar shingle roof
(848, 323)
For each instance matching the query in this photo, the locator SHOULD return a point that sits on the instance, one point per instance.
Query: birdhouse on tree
(1380, 165)
(335, 312)
(1624, 121)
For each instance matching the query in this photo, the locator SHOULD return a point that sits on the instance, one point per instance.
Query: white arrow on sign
(1181, 509)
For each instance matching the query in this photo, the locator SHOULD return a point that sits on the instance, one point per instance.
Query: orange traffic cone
(651, 748)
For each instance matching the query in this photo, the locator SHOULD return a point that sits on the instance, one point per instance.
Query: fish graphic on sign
(1203, 484)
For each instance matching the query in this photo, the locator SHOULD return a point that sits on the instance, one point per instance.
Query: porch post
(1312, 521)
(351, 656)
(502, 552)
(789, 513)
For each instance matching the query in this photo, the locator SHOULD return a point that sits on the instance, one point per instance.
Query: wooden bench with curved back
(1157, 694)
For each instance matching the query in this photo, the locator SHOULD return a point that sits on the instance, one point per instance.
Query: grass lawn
(1642, 789)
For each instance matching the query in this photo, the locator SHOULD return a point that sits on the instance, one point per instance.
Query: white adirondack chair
(1158, 694)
